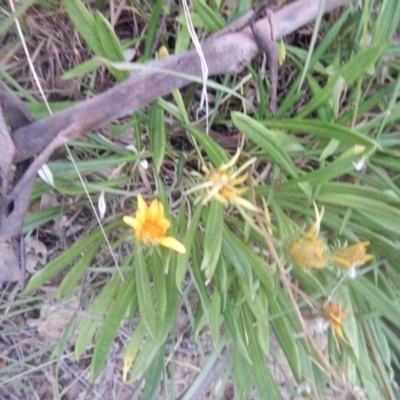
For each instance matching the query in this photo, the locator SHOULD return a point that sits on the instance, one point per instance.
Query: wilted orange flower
(221, 185)
(336, 315)
(307, 250)
(150, 226)
(353, 256)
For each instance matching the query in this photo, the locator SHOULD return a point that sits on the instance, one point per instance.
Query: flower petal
(173, 244)
(132, 222)
(154, 210)
(142, 206)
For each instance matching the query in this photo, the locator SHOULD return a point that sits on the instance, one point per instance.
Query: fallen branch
(226, 54)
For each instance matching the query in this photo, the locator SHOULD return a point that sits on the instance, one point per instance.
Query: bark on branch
(226, 54)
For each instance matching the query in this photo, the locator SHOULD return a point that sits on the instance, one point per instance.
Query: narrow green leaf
(321, 129)
(182, 42)
(157, 134)
(231, 320)
(264, 138)
(215, 317)
(153, 375)
(160, 288)
(213, 238)
(212, 21)
(144, 359)
(133, 347)
(216, 153)
(285, 337)
(153, 28)
(245, 262)
(387, 21)
(377, 300)
(243, 373)
(89, 326)
(265, 382)
(183, 261)
(356, 67)
(145, 298)
(8, 22)
(61, 262)
(77, 271)
(82, 69)
(84, 22)
(110, 44)
(111, 324)
(350, 326)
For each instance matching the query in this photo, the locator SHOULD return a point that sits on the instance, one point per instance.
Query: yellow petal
(142, 206)
(338, 329)
(231, 163)
(239, 180)
(132, 222)
(240, 201)
(353, 256)
(314, 230)
(173, 244)
(164, 224)
(308, 252)
(154, 210)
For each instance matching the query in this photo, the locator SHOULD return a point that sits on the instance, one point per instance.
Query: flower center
(152, 232)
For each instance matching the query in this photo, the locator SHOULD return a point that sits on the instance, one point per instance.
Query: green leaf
(266, 139)
(183, 261)
(157, 134)
(145, 298)
(85, 23)
(212, 21)
(387, 21)
(89, 326)
(111, 324)
(216, 153)
(265, 382)
(321, 129)
(82, 69)
(111, 47)
(61, 262)
(213, 238)
(215, 317)
(153, 28)
(377, 300)
(145, 358)
(285, 337)
(78, 270)
(350, 326)
(231, 320)
(159, 282)
(133, 347)
(153, 375)
(355, 68)
(8, 22)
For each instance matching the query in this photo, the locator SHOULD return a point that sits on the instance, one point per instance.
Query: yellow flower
(221, 185)
(307, 250)
(353, 256)
(150, 226)
(336, 315)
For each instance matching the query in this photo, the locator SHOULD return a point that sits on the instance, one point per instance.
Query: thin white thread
(204, 67)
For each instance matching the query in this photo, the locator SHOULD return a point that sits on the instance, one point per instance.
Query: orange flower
(336, 315)
(307, 250)
(353, 256)
(150, 226)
